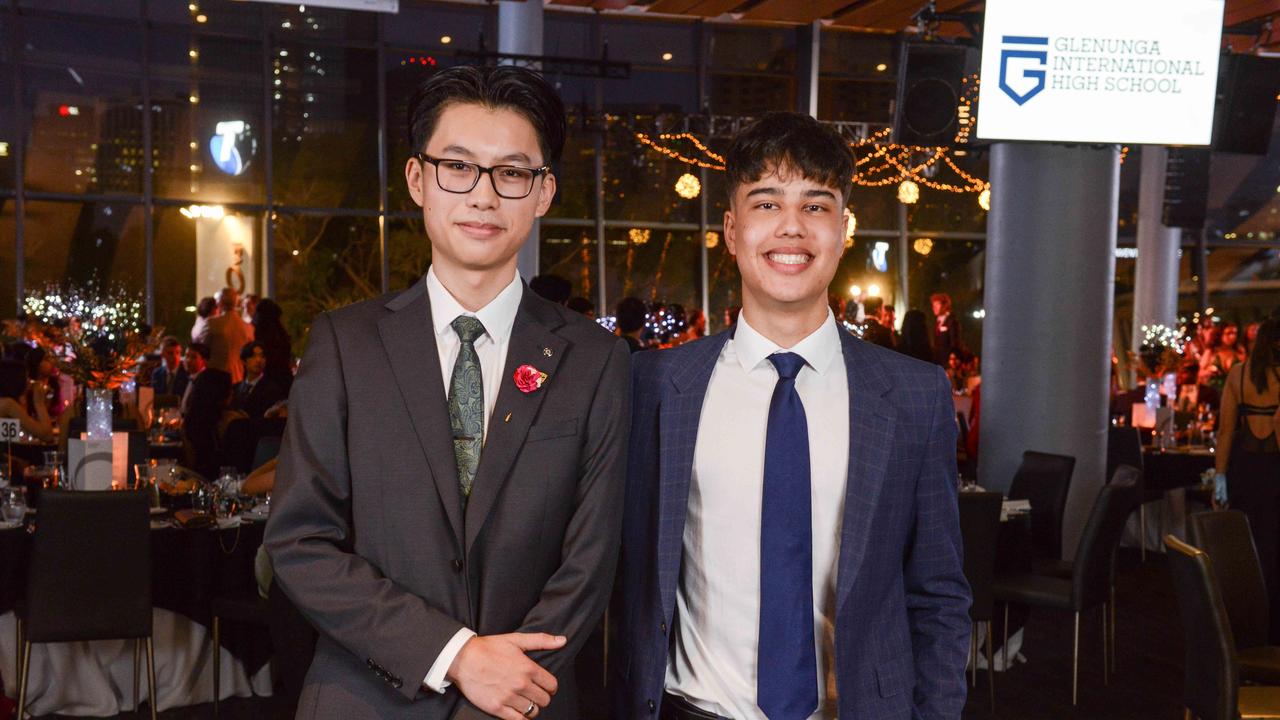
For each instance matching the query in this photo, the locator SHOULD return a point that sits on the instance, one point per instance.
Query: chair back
(89, 573)
(979, 527)
(1045, 480)
(1124, 447)
(1224, 536)
(1095, 555)
(1212, 678)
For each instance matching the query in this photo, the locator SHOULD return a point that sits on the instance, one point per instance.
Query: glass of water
(13, 503)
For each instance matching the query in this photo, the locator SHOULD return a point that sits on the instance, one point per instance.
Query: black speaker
(1246, 108)
(1186, 188)
(930, 86)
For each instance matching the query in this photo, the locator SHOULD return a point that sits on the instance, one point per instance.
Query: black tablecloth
(1163, 471)
(188, 569)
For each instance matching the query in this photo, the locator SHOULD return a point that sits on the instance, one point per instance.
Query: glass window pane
(220, 59)
(322, 263)
(760, 49)
(750, 94)
(234, 16)
(77, 45)
(575, 176)
(640, 184)
(8, 259)
(955, 267)
(195, 257)
(657, 266)
(408, 252)
(649, 42)
(8, 120)
(424, 26)
(724, 284)
(305, 22)
(102, 241)
(651, 91)
(110, 8)
(568, 35)
(325, 144)
(570, 252)
(85, 131)
(211, 150)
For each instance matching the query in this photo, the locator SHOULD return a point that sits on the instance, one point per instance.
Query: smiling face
(787, 234)
(478, 231)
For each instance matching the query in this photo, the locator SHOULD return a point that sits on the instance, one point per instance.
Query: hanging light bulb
(712, 239)
(984, 199)
(688, 186)
(924, 246)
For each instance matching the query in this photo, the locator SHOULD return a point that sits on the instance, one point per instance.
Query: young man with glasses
(449, 492)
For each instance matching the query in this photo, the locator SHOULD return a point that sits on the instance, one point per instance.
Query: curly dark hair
(794, 141)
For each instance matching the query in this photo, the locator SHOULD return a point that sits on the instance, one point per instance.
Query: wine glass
(13, 503)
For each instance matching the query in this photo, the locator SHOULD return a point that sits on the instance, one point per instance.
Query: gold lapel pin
(547, 351)
(507, 418)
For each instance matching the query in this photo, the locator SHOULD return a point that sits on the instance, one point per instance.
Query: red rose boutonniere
(528, 378)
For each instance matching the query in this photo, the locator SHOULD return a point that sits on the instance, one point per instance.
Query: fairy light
(984, 199)
(712, 239)
(638, 236)
(688, 186)
(1161, 336)
(924, 246)
(105, 312)
(908, 192)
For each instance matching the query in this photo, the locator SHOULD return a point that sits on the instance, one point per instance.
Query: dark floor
(1147, 684)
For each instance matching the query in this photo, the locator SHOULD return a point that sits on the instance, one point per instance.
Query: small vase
(98, 413)
(98, 460)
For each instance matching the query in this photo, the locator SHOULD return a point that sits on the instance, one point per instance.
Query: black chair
(980, 527)
(1124, 447)
(248, 609)
(1224, 536)
(1211, 688)
(1044, 479)
(89, 577)
(1090, 581)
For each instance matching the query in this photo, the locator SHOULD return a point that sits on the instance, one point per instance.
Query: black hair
(791, 141)
(1265, 357)
(580, 305)
(552, 287)
(631, 314)
(13, 378)
(35, 356)
(169, 341)
(200, 349)
(872, 304)
(915, 336)
(506, 87)
(246, 351)
(205, 307)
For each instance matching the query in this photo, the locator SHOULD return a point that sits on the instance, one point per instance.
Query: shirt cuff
(435, 676)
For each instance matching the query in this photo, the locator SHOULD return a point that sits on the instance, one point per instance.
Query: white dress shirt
(713, 656)
(498, 317)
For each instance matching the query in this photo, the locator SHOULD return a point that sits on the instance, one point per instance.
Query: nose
(791, 224)
(483, 196)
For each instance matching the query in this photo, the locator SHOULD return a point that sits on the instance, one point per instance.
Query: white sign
(8, 430)
(1103, 71)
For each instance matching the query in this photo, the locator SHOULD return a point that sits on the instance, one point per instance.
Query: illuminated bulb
(984, 199)
(873, 290)
(194, 99)
(852, 228)
(445, 40)
(908, 192)
(638, 236)
(193, 54)
(924, 246)
(201, 18)
(667, 56)
(881, 67)
(854, 291)
(688, 186)
(712, 239)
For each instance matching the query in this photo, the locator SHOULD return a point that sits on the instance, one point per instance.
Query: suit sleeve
(937, 593)
(309, 534)
(576, 594)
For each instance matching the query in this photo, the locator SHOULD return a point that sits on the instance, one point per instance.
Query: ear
(844, 229)
(413, 178)
(546, 192)
(730, 233)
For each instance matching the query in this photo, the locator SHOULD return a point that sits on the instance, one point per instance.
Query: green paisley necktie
(466, 403)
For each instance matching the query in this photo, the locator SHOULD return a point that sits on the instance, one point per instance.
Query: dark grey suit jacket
(367, 532)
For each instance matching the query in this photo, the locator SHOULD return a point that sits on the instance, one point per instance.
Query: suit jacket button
(457, 565)
(369, 662)
(397, 683)
(652, 707)
(664, 628)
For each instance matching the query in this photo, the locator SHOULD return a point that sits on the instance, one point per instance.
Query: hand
(1220, 490)
(494, 673)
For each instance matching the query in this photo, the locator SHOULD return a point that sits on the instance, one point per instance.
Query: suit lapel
(515, 410)
(679, 412)
(410, 343)
(871, 429)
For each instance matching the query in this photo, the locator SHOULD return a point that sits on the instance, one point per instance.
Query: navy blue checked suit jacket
(902, 623)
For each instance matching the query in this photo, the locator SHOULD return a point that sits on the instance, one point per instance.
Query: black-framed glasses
(512, 182)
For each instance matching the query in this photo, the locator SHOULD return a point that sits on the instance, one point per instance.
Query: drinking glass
(13, 503)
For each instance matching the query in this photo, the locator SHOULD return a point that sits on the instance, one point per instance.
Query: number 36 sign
(8, 430)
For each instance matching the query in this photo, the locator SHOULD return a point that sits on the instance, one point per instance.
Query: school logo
(1029, 59)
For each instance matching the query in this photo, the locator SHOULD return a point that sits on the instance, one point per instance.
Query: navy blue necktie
(787, 664)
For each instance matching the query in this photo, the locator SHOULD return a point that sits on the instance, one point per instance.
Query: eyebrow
(515, 157)
(774, 192)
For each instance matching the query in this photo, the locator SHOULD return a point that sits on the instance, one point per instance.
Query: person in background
(697, 326)
(208, 395)
(1251, 336)
(946, 328)
(248, 306)
(582, 306)
(873, 329)
(552, 287)
(1247, 464)
(204, 311)
(631, 313)
(269, 331)
(1202, 340)
(195, 361)
(170, 376)
(1223, 353)
(256, 393)
(889, 319)
(225, 333)
(915, 336)
(15, 397)
(42, 371)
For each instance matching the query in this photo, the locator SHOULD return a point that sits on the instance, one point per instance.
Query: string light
(100, 312)
(1160, 336)
(712, 239)
(984, 199)
(638, 236)
(908, 192)
(924, 246)
(688, 186)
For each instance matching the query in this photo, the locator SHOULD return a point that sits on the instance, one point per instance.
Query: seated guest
(195, 362)
(170, 377)
(208, 395)
(874, 330)
(15, 398)
(256, 393)
(42, 371)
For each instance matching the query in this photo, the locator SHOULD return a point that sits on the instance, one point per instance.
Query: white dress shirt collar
(820, 349)
(498, 316)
